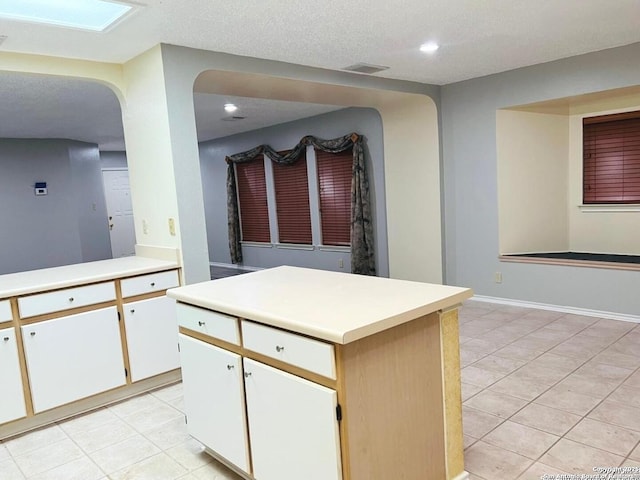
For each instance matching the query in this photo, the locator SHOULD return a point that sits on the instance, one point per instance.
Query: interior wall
(471, 190)
(532, 166)
(364, 121)
(113, 159)
(91, 205)
(407, 106)
(59, 228)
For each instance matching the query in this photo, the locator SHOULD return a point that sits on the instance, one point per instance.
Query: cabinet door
(73, 357)
(12, 398)
(292, 425)
(214, 399)
(152, 337)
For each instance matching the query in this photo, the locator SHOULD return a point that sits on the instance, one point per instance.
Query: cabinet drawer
(154, 282)
(5, 311)
(303, 352)
(214, 324)
(65, 299)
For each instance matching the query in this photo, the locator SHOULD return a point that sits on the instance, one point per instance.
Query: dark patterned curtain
(362, 255)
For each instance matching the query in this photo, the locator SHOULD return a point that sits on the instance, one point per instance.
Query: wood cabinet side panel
(394, 403)
(452, 392)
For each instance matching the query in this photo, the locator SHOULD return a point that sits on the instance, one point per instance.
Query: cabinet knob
(279, 348)
(230, 367)
(71, 299)
(132, 310)
(247, 374)
(153, 284)
(33, 334)
(6, 339)
(202, 324)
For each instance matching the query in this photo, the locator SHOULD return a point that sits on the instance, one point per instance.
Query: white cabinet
(154, 282)
(214, 399)
(152, 337)
(292, 425)
(73, 357)
(5, 311)
(58, 300)
(12, 404)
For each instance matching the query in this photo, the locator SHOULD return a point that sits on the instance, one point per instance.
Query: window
(292, 201)
(334, 187)
(611, 167)
(252, 199)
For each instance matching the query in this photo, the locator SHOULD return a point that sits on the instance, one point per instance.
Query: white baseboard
(462, 476)
(559, 308)
(235, 266)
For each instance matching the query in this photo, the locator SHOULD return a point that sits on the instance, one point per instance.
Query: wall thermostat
(41, 188)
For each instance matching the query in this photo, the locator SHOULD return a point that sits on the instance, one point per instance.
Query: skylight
(94, 15)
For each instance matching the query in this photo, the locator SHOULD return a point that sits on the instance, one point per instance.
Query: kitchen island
(76, 337)
(294, 373)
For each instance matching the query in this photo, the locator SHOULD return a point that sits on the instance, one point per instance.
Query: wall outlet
(172, 227)
(341, 263)
(145, 227)
(498, 277)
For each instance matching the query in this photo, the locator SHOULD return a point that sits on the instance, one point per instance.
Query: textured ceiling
(478, 37)
(52, 107)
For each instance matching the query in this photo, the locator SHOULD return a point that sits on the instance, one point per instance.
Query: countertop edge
(337, 337)
(71, 280)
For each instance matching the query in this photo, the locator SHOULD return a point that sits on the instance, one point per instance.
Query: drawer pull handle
(153, 284)
(71, 299)
(247, 374)
(33, 334)
(230, 367)
(279, 348)
(202, 324)
(6, 339)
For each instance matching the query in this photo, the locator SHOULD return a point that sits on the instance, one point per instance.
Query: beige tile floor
(543, 393)
(547, 393)
(143, 438)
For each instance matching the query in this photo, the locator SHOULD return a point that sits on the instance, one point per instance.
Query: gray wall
(470, 183)
(365, 121)
(91, 208)
(113, 159)
(62, 227)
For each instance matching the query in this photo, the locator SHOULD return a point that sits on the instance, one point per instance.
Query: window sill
(608, 208)
(256, 244)
(570, 263)
(294, 246)
(334, 248)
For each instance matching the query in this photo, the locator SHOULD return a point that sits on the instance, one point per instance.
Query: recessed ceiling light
(230, 107)
(95, 15)
(429, 47)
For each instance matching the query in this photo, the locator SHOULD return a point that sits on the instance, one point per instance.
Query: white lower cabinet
(12, 404)
(292, 426)
(152, 337)
(73, 357)
(214, 399)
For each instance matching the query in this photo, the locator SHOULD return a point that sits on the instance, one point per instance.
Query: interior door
(292, 426)
(117, 194)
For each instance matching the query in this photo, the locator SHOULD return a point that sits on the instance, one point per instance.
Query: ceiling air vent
(366, 68)
(233, 118)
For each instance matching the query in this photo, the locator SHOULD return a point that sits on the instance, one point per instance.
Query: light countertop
(21, 283)
(337, 307)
